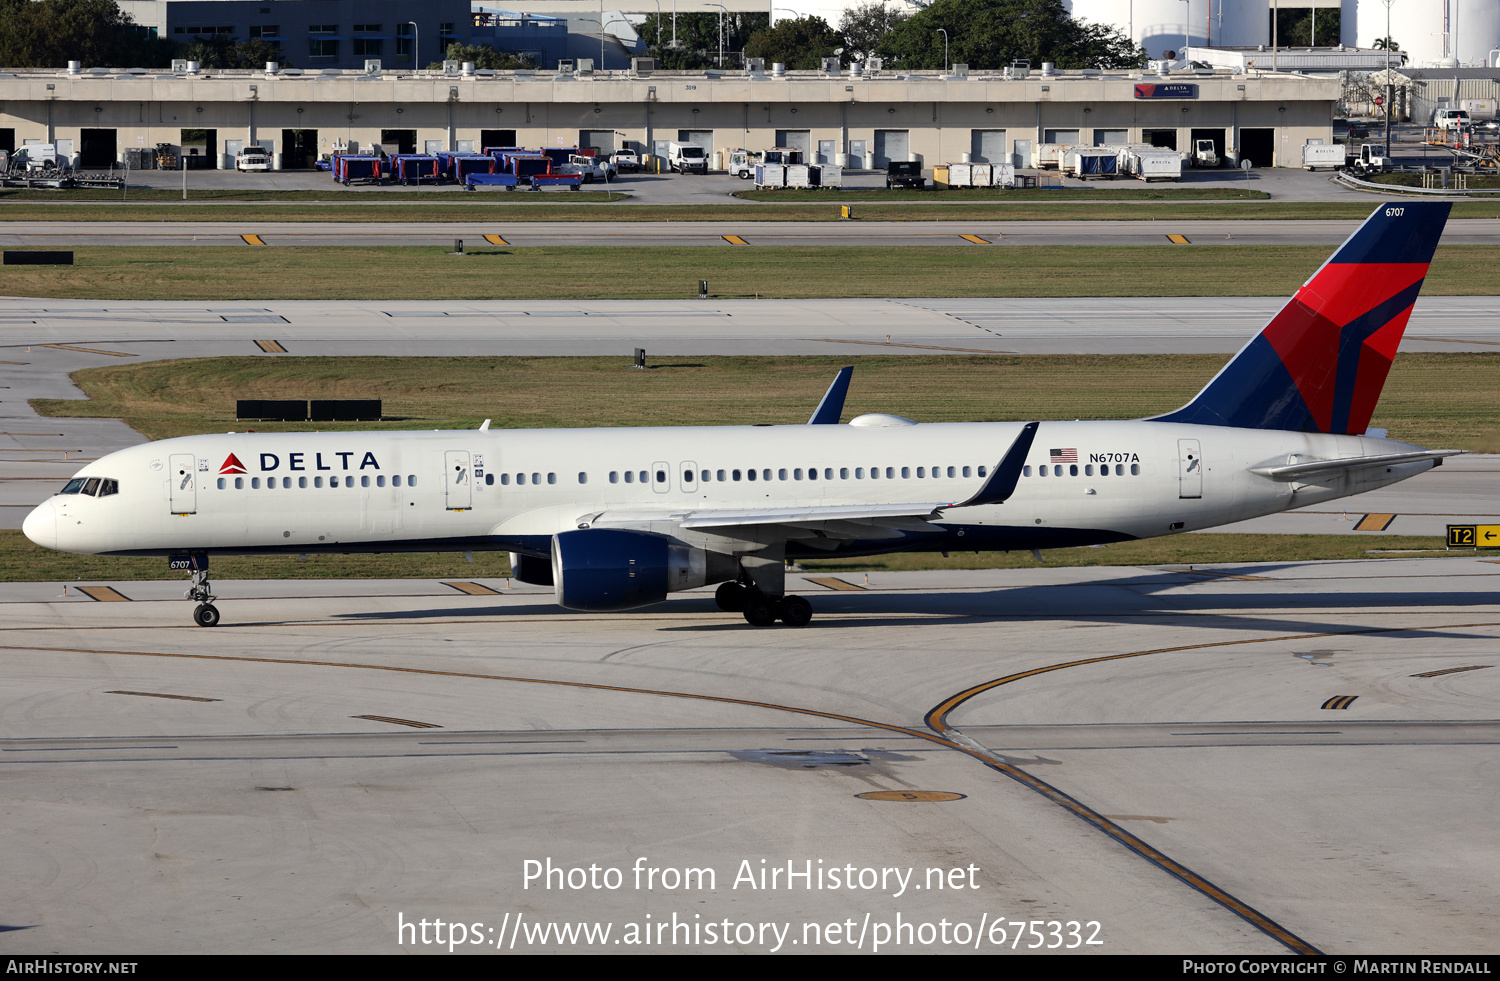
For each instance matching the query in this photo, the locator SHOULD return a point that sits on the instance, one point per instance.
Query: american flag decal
(1068, 455)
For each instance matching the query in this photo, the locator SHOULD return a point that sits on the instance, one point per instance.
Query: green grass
(597, 272)
(1438, 400)
(1113, 192)
(21, 561)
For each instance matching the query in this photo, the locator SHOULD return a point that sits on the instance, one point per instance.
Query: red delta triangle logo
(232, 465)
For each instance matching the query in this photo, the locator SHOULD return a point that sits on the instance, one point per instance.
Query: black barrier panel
(345, 410)
(278, 410)
(38, 258)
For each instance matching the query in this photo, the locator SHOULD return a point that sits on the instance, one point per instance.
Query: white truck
(742, 163)
(1450, 119)
(592, 168)
(687, 158)
(1205, 154)
(1330, 155)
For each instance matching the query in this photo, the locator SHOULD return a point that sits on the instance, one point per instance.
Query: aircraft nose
(41, 525)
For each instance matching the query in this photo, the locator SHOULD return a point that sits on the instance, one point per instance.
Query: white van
(687, 158)
(1450, 119)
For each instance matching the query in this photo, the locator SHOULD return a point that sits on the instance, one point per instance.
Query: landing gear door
(459, 480)
(184, 483)
(1189, 469)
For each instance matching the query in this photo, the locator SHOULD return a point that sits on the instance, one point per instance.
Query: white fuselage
(514, 489)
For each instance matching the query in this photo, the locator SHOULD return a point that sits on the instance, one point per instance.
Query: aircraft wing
(848, 521)
(1321, 468)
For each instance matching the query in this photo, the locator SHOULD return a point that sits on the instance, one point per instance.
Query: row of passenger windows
(1088, 470)
(797, 473)
(286, 482)
(92, 486)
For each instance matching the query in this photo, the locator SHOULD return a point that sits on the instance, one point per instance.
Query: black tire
(796, 611)
(759, 612)
(731, 597)
(206, 615)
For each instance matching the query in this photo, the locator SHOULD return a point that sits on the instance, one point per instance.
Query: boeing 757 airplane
(615, 519)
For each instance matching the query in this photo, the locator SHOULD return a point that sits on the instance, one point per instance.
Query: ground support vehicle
(904, 173)
(571, 181)
(1330, 155)
(415, 168)
(253, 158)
(589, 168)
(358, 169)
(1091, 163)
(1450, 119)
(687, 158)
(625, 161)
(526, 167)
(742, 163)
(474, 180)
(1205, 154)
(1372, 159)
(462, 165)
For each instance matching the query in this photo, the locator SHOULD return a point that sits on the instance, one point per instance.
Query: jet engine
(604, 569)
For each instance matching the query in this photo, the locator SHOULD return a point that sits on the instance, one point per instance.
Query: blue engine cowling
(604, 570)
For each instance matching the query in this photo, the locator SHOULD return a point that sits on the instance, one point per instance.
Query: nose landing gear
(205, 614)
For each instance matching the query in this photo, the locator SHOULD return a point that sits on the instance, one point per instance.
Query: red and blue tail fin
(1320, 363)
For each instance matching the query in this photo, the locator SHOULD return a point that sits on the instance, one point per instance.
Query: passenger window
(333, 481)
(302, 482)
(812, 473)
(1119, 470)
(859, 473)
(536, 478)
(255, 483)
(411, 480)
(797, 474)
(781, 475)
(317, 481)
(239, 483)
(1026, 470)
(661, 476)
(221, 483)
(707, 476)
(583, 478)
(906, 473)
(951, 472)
(552, 478)
(614, 476)
(1088, 469)
(966, 471)
(982, 471)
(364, 480)
(750, 474)
(874, 473)
(380, 480)
(644, 478)
(719, 476)
(630, 476)
(766, 474)
(1135, 470)
(843, 473)
(1073, 470)
(395, 481)
(921, 472)
(735, 474)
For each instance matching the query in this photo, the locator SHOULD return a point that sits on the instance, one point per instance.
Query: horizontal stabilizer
(1320, 468)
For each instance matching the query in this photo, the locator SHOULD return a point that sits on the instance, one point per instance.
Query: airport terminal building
(105, 117)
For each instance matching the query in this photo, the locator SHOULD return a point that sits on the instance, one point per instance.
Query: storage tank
(1158, 25)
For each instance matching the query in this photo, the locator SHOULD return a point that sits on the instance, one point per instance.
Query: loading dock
(97, 148)
(1258, 146)
(299, 148)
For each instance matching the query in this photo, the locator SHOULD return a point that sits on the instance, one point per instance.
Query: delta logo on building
(232, 464)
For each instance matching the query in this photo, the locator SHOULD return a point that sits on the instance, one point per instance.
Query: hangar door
(602, 140)
(1064, 137)
(799, 139)
(891, 144)
(987, 146)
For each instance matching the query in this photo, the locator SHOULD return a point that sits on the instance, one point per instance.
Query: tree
(1389, 44)
(799, 43)
(865, 26)
(483, 56)
(219, 52)
(990, 34)
(697, 37)
(50, 33)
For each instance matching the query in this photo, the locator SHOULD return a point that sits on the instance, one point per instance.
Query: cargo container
(571, 181)
(1330, 155)
(476, 180)
(416, 168)
(527, 166)
(1047, 156)
(830, 175)
(1003, 175)
(350, 168)
(1153, 165)
(461, 165)
(770, 175)
(953, 175)
(798, 175)
(1091, 162)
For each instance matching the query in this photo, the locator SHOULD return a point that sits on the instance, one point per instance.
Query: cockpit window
(108, 486)
(91, 486)
(73, 486)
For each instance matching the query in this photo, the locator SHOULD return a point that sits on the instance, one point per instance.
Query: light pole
(601, 35)
(1388, 86)
(722, 9)
(416, 45)
(785, 9)
(945, 47)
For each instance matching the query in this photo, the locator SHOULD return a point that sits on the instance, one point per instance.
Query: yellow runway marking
(252, 240)
(496, 240)
(398, 722)
(734, 240)
(832, 583)
(88, 350)
(1178, 240)
(271, 347)
(1375, 522)
(1340, 701)
(1455, 340)
(1435, 674)
(158, 694)
(975, 239)
(104, 594)
(473, 588)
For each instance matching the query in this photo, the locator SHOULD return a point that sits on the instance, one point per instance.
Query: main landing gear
(761, 610)
(206, 614)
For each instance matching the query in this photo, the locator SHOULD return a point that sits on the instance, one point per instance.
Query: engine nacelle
(531, 569)
(602, 570)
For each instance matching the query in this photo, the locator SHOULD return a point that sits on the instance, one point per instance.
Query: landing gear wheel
(206, 615)
(731, 597)
(796, 611)
(760, 612)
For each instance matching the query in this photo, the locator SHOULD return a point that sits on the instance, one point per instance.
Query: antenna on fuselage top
(484, 425)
